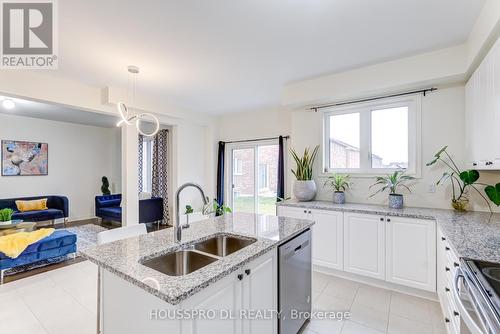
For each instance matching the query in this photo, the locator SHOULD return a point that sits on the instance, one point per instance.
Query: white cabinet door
(482, 112)
(328, 239)
(299, 213)
(411, 252)
(225, 295)
(364, 245)
(260, 292)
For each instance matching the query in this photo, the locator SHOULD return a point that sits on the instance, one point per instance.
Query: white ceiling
(234, 55)
(57, 113)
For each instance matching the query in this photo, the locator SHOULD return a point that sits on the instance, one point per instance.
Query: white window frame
(413, 102)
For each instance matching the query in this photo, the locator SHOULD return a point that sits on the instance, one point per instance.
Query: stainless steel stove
(476, 293)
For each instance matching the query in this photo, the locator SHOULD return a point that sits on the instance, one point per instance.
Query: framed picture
(20, 158)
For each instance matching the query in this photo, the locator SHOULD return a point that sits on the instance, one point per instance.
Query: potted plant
(214, 208)
(6, 216)
(189, 209)
(304, 187)
(462, 182)
(393, 182)
(105, 186)
(340, 183)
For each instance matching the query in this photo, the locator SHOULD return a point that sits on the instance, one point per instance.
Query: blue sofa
(107, 207)
(58, 207)
(59, 243)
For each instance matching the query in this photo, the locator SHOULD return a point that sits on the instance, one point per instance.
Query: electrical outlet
(432, 188)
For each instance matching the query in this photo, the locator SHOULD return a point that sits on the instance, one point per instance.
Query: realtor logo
(28, 34)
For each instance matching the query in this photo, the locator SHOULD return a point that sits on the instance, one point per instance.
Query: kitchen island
(235, 292)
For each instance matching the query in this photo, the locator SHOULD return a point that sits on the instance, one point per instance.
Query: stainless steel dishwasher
(294, 282)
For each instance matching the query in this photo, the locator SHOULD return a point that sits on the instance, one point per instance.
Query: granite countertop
(124, 257)
(472, 235)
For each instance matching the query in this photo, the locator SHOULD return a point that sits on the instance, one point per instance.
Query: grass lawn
(267, 205)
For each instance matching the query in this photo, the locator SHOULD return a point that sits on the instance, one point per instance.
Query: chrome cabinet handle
(247, 271)
(240, 277)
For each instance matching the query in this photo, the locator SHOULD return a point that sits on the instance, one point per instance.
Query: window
(237, 166)
(254, 187)
(147, 164)
(263, 176)
(373, 138)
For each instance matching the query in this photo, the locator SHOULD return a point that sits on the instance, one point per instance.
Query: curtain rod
(259, 139)
(423, 91)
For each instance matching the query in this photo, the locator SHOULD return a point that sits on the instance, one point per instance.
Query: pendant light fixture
(131, 119)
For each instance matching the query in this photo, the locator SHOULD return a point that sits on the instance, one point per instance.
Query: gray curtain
(160, 170)
(141, 158)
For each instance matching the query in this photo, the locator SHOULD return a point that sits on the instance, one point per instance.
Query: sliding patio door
(253, 177)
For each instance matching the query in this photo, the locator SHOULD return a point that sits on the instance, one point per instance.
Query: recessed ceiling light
(8, 104)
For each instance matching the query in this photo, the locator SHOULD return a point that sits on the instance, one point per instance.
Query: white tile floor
(64, 301)
(59, 301)
(373, 310)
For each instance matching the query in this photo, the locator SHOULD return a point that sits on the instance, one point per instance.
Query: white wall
(269, 122)
(192, 161)
(79, 156)
(442, 124)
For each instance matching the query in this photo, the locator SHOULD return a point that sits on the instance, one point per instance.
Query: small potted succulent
(6, 216)
(304, 188)
(393, 182)
(339, 183)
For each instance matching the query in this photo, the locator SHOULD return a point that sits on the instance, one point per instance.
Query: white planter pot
(304, 190)
(6, 223)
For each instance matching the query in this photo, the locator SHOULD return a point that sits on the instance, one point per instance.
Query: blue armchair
(107, 207)
(58, 207)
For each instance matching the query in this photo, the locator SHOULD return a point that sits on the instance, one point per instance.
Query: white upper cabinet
(364, 245)
(482, 113)
(411, 252)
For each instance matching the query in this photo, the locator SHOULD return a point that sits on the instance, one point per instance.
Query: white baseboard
(377, 283)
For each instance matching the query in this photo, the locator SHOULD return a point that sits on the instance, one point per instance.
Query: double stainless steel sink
(197, 255)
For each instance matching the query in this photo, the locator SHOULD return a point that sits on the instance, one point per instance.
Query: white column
(130, 176)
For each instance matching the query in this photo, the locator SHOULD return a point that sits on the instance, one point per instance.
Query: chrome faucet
(177, 227)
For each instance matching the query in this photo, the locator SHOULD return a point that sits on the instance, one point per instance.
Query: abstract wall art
(24, 158)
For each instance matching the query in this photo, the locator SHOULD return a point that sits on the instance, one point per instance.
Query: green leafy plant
(105, 186)
(189, 209)
(339, 182)
(220, 209)
(304, 170)
(392, 182)
(6, 215)
(462, 181)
